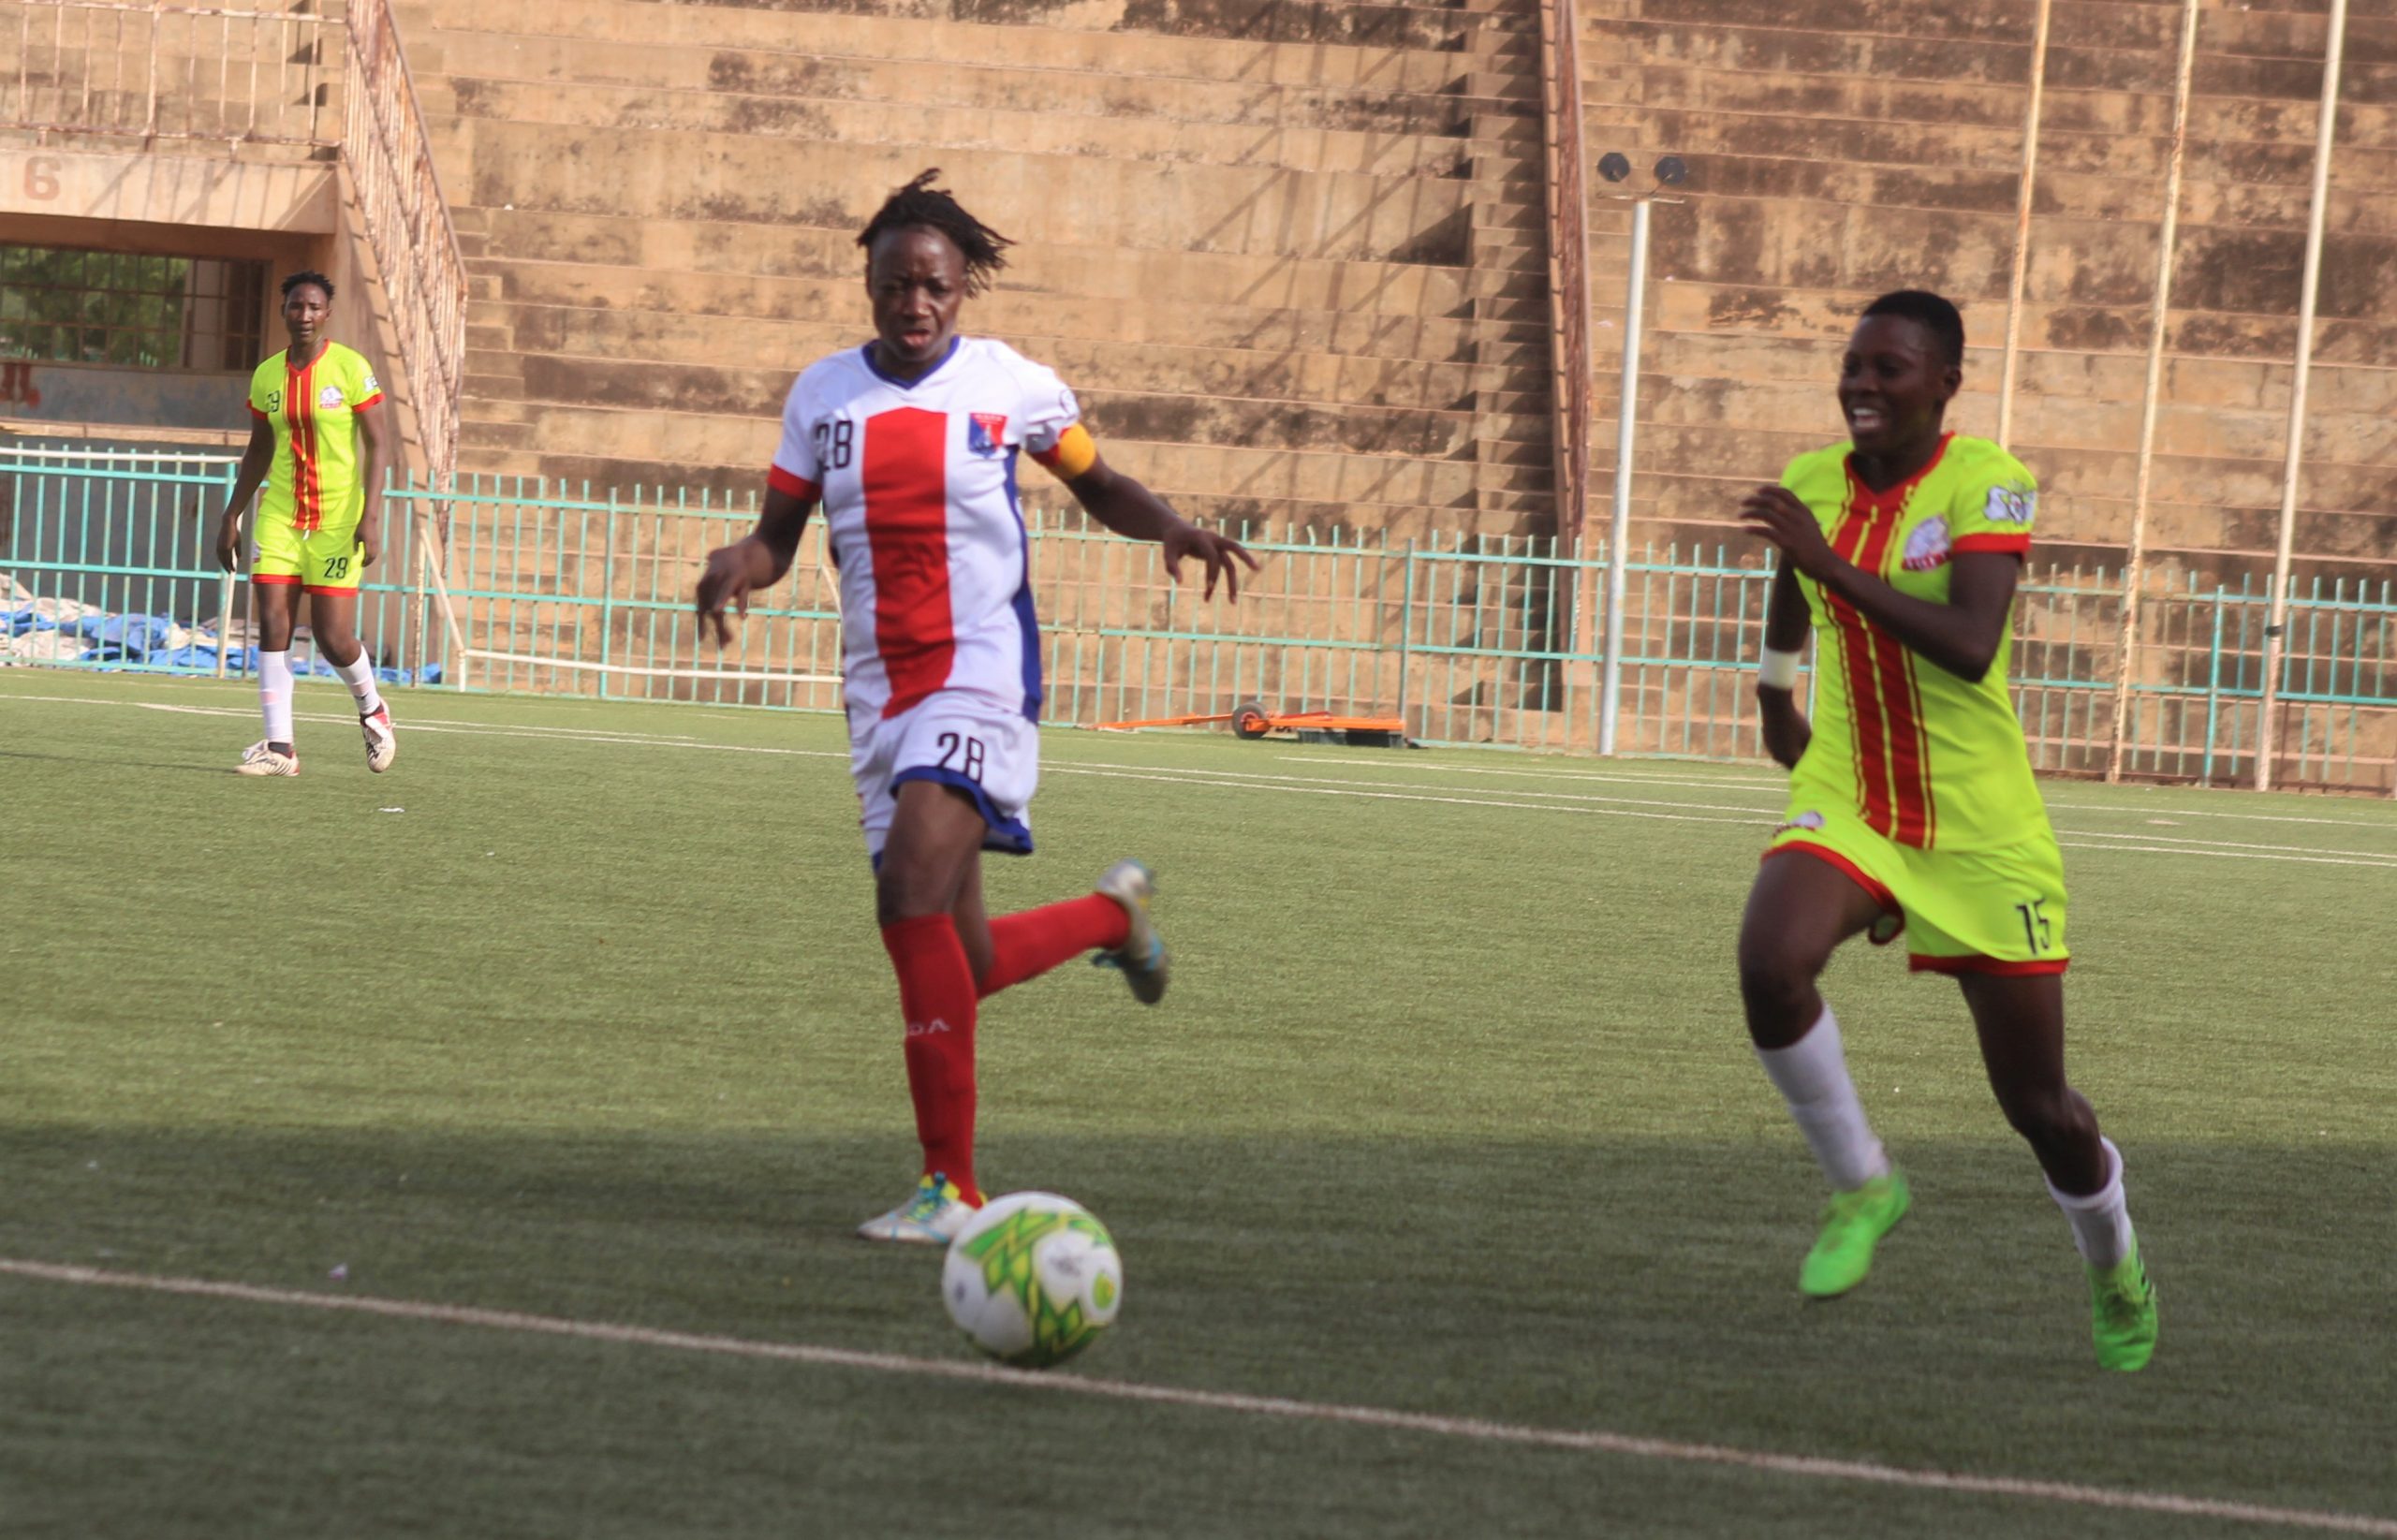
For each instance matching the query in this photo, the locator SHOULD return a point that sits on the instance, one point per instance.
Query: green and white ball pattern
(1033, 1279)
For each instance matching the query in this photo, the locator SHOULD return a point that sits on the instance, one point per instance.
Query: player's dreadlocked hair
(1936, 316)
(921, 203)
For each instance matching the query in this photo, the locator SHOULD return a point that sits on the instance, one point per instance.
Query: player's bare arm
(369, 471)
(755, 561)
(1133, 511)
(1786, 731)
(1960, 635)
(258, 457)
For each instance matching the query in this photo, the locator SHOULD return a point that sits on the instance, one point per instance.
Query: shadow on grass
(1636, 1287)
(115, 761)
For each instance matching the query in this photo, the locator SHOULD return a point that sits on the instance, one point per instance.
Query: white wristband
(1777, 670)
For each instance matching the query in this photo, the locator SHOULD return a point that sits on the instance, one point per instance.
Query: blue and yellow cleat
(931, 1218)
(1142, 956)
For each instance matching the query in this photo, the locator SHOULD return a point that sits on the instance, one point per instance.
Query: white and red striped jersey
(918, 482)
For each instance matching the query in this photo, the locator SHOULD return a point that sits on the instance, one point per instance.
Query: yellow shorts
(1997, 911)
(323, 561)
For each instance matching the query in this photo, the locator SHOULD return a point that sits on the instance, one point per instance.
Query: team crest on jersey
(987, 432)
(2012, 504)
(1927, 547)
(328, 396)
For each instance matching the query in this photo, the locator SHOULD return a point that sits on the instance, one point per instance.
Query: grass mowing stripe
(1219, 781)
(438, 724)
(1267, 780)
(1579, 1441)
(2160, 844)
(1714, 782)
(1710, 783)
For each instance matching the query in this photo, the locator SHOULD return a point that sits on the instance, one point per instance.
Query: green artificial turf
(581, 1012)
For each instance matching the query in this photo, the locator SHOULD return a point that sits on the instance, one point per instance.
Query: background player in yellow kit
(315, 445)
(1911, 802)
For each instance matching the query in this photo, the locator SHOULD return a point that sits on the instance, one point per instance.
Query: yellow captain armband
(1075, 452)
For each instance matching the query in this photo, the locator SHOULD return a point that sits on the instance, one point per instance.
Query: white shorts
(968, 741)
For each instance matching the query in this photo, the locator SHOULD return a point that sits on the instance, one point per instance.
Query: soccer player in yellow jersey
(1911, 803)
(315, 445)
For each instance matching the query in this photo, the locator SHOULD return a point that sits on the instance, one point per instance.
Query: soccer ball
(1033, 1279)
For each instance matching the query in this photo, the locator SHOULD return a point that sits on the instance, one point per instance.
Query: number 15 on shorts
(2036, 932)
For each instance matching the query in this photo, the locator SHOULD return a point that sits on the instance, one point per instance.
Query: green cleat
(1853, 1223)
(2122, 1314)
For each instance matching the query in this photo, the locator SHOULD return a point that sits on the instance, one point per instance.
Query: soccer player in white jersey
(910, 443)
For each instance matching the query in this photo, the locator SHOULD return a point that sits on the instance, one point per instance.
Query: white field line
(2209, 813)
(1760, 816)
(2383, 865)
(1714, 783)
(1429, 1424)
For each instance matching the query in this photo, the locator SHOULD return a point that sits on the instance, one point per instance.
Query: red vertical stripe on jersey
(1861, 528)
(905, 475)
(300, 413)
(1910, 750)
(1893, 663)
(1892, 745)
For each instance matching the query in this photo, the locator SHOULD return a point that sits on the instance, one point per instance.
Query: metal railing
(110, 68)
(1463, 637)
(108, 560)
(389, 156)
(149, 71)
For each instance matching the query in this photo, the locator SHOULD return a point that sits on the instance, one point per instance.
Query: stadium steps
(802, 251)
(834, 303)
(655, 193)
(820, 122)
(639, 309)
(1265, 374)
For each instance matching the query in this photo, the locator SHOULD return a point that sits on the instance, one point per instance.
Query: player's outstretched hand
(1183, 539)
(732, 572)
(1777, 515)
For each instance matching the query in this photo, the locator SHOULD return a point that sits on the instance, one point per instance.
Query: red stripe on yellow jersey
(307, 483)
(1892, 749)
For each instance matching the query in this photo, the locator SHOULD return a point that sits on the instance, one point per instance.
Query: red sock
(936, 993)
(1028, 945)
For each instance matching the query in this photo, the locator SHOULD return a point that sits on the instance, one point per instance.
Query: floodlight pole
(1670, 172)
(1619, 525)
(2276, 626)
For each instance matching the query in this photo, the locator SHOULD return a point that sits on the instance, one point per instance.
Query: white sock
(274, 694)
(2101, 1222)
(358, 674)
(1810, 1074)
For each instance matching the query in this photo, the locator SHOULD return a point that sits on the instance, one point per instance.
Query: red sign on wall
(17, 384)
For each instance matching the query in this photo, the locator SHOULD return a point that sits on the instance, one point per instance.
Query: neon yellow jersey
(314, 482)
(1925, 758)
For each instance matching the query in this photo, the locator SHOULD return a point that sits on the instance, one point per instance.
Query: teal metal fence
(507, 584)
(108, 560)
